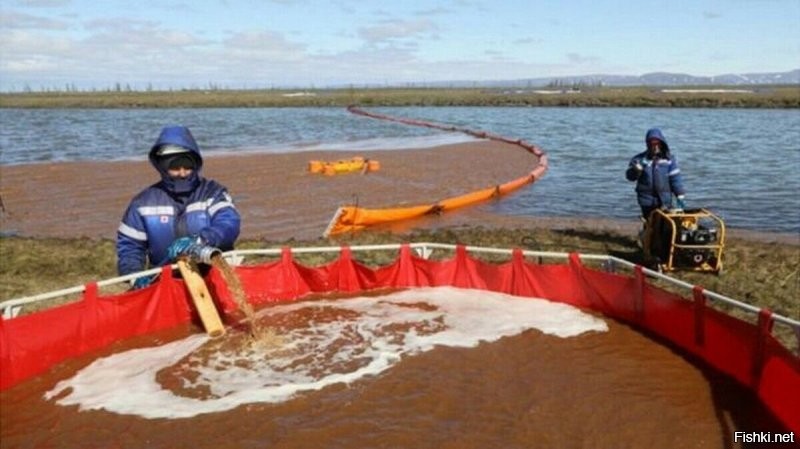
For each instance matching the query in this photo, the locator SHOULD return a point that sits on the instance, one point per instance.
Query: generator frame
(664, 230)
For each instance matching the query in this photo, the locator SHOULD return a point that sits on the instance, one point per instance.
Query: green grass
(643, 96)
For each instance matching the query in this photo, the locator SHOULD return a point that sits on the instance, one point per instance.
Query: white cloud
(433, 11)
(296, 43)
(16, 20)
(42, 3)
(576, 58)
(24, 65)
(23, 45)
(397, 29)
(263, 43)
(526, 41)
(139, 35)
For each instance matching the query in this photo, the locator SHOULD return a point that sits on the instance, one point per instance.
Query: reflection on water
(742, 164)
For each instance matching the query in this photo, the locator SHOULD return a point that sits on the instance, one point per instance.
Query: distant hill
(648, 79)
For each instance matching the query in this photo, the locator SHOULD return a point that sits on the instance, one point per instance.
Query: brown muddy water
(276, 195)
(601, 389)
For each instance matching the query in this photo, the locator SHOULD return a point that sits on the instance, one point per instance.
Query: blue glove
(181, 247)
(143, 282)
(681, 203)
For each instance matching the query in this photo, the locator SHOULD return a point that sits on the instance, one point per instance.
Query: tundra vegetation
(552, 96)
(761, 273)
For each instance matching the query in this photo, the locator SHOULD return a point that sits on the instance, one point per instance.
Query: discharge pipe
(203, 253)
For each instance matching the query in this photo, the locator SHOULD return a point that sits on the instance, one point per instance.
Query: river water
(742, 164)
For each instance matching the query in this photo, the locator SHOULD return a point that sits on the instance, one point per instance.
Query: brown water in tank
(598, 389)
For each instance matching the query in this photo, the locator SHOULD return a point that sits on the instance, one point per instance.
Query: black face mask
(182, 185)
(176, 161)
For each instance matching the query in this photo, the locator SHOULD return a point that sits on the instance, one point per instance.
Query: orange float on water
(316, 166)
(373, 165)
(341, 166)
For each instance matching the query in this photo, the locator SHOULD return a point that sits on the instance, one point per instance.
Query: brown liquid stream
(259, 335)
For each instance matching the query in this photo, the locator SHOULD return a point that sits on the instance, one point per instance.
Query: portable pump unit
(685, 240)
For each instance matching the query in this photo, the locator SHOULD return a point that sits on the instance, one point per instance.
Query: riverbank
(585, 96)
(62, 218)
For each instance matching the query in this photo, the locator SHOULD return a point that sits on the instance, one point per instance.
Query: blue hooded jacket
(173, 208)
(660, 177)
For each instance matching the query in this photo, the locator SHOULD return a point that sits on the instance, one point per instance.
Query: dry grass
(759, 273)
(30, 266)
(640, 96)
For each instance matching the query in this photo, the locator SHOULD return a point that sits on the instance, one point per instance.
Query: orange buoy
(315, 166)
(355, 164)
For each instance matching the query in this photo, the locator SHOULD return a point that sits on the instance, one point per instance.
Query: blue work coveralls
(174, 208)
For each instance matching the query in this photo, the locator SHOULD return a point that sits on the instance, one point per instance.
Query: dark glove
(142, 282)
(182, 247)
(194, 247)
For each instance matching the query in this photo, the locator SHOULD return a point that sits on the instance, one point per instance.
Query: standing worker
(177, 215)
(657, 177)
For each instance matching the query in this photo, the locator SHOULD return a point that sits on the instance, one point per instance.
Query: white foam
(368, 336)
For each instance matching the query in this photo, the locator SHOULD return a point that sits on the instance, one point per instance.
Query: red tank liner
(31, 344)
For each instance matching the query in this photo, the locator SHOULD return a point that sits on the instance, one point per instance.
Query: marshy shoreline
(759, 96)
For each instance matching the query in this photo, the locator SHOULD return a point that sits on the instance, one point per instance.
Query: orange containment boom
(356, 164)
(744, 350)
(350, 218)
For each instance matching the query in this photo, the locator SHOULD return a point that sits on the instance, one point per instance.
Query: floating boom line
(351, 218)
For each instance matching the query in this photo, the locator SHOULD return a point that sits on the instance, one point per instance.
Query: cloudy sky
(309, 43)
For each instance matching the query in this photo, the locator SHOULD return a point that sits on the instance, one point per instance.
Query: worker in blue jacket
(657, 175)
(178, 214)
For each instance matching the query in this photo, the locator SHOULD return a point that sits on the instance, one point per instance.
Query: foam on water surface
(315, 344)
